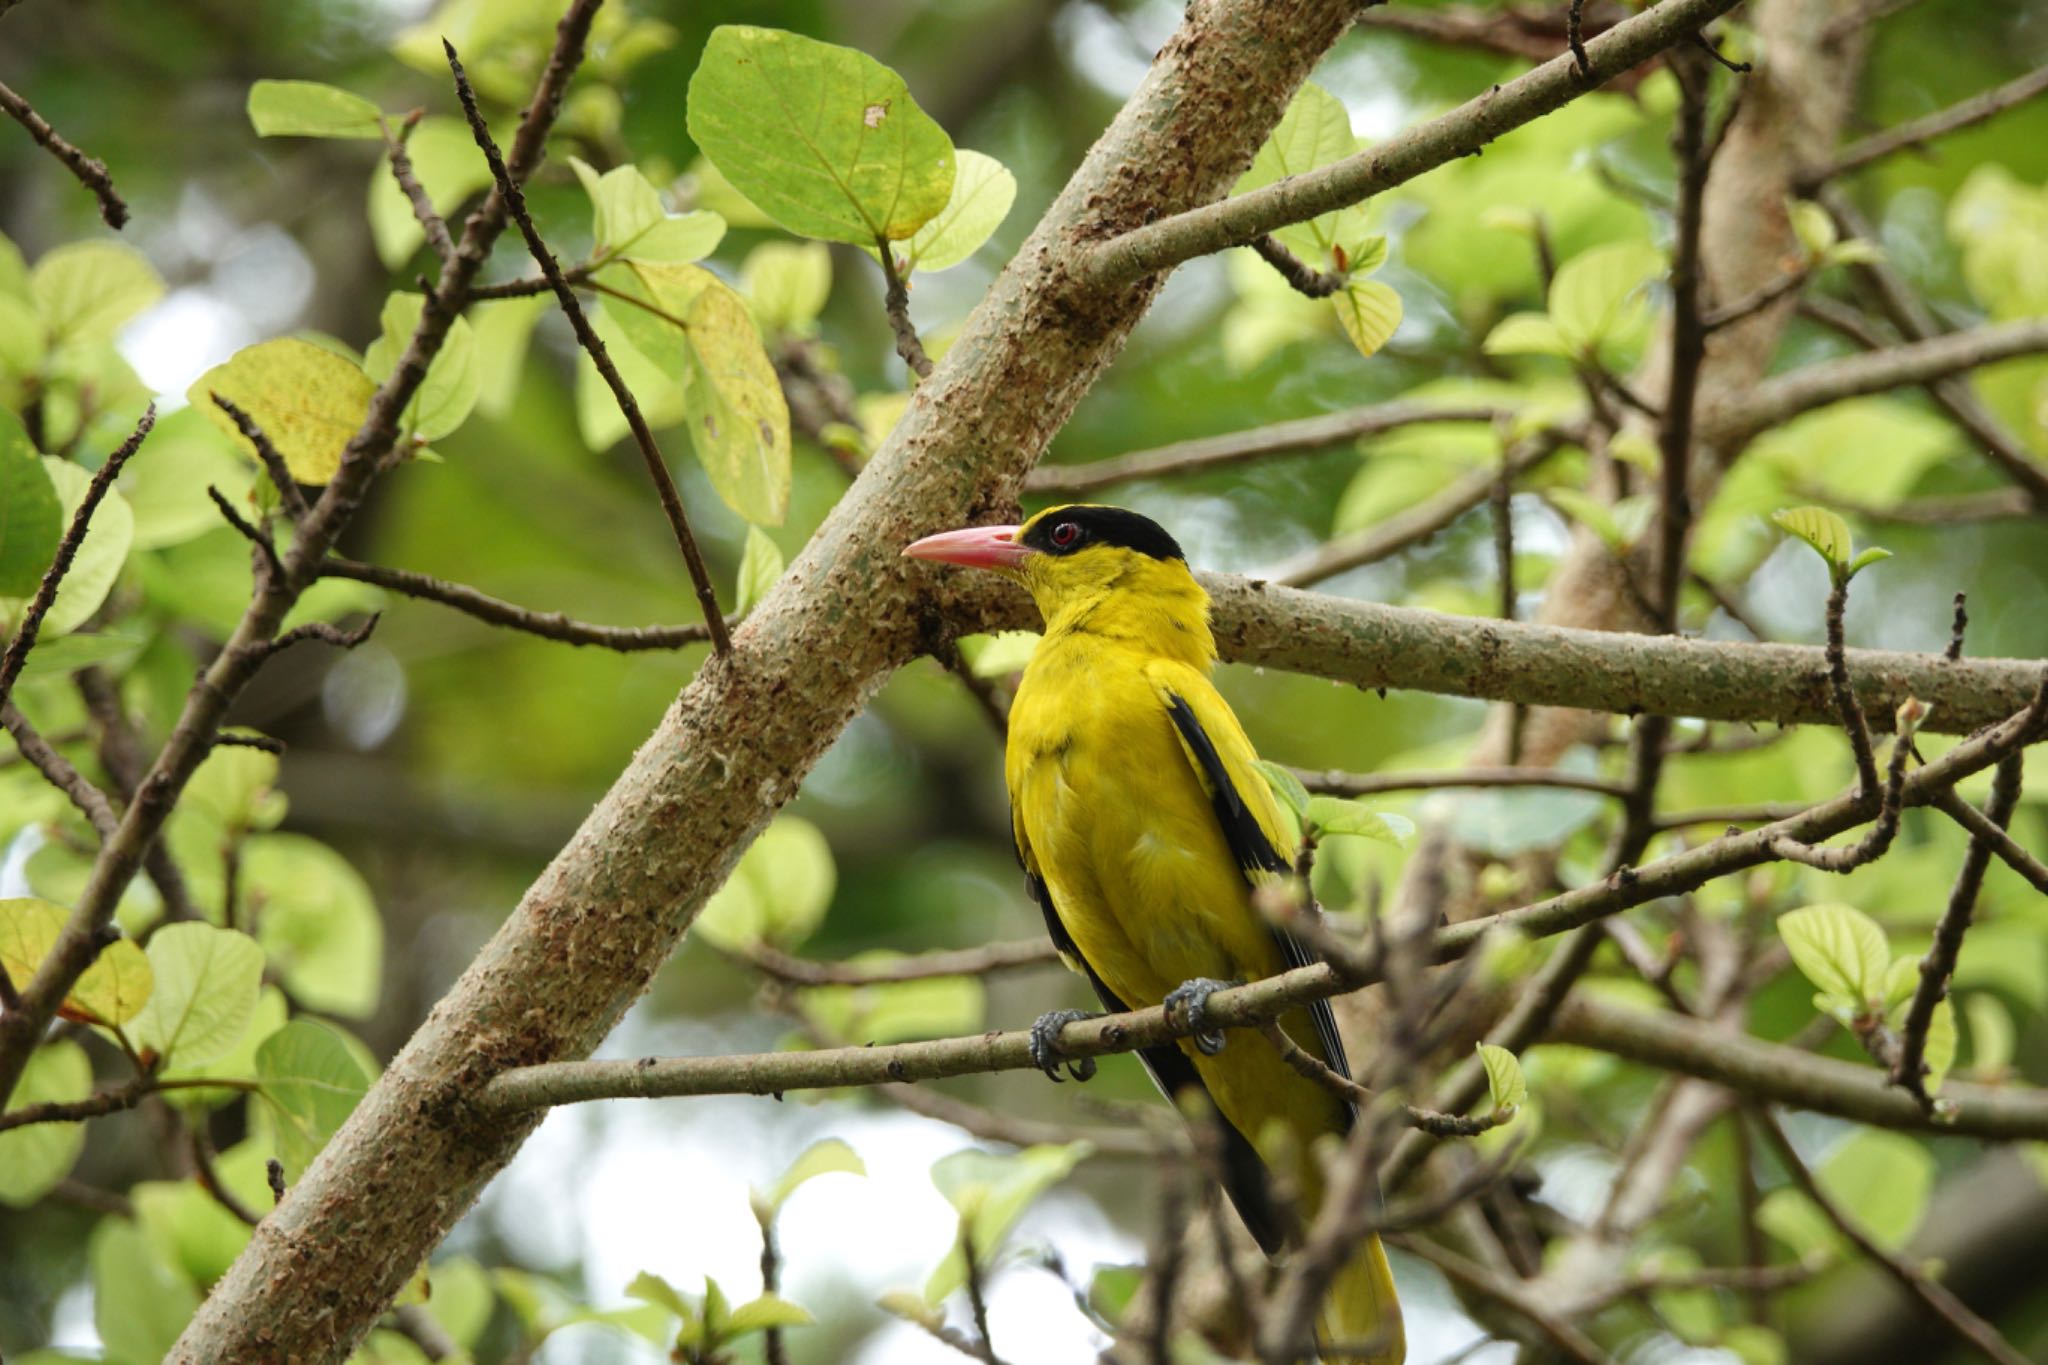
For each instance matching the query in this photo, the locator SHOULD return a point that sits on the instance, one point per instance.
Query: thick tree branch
(1302, 436)
(1370, 645)
(89, 171)
(1244, 218)
(1941, 123)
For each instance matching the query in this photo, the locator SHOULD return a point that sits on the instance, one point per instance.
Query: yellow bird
(1143, 827)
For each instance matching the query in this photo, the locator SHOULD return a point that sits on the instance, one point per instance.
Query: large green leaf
(991, 1193)
(140, 1301)
(207, 981)
(983, 190)
(779, 892)
(311, 109)
(31, 517)
(1599, 296)
(166, 482)
(36, 1156)
(88, 291)
(100, 555)
(305, 398)
(820, 1158)
(787, 283)
(311, 1083)
(316, 921)
(823, 138)
(1841, 950)
(453, 380)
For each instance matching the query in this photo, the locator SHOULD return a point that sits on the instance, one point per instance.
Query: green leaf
(236, 788)
(624, 204)
(1000, 654)
(238, 1063)
(779, 892)
(312, 1083)
(1331, 815)
(820, 1158)
(737, 418)
(678, 239)
(1598, 295)
(141, 1302)
(310, 109)
(111, 991)
(760, 566)
(449, 168)
(1881, 1179)
(1814, 228)
(1286, 786)
(824, 139)
(1369, 313)
(33, 1158)
(307, 400)
(207, 981)
(651, 1288)
(166, 483)
(1826, 532)
(983, 190)
(1505, 1085)
(1841, 950)
(899, 1011)
(88, 291)
(1867, 558)
(769, 1310)
(1315, 131)
(100, 555)
(787, 283)
(31, 517)
(1993, 1038)
(190, 1228)
(503, 329)
(991, 1193)
(1113, 1288)
(453, 381)
(1527, 334)
(317, 922)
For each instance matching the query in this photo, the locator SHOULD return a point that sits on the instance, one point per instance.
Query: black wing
(1255, 854)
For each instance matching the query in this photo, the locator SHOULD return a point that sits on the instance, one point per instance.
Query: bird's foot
(1192, 999)
(1045, 1045)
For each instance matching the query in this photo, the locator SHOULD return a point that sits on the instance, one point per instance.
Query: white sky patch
(181, 338)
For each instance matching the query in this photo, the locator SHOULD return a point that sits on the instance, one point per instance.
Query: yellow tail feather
(1362, 1312)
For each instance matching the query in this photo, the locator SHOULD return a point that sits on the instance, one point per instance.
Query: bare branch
(90, 801)
(896, 299)
(1243, 218)
(1335, 783)
(1779, 400)
(549, 625)
(1941, 123)
(1303, 436)
(1982, 827)
(593, 345)
(288, 491)
(1939, 965)
(1300, 276)
(1968, 1327)
(1418, 523)
(89, 171)
(67, 550)
(431, 223)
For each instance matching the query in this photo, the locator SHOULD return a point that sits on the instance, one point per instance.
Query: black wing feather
(1254, 853)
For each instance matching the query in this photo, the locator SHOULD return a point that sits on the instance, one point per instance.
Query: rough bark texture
(600, 921)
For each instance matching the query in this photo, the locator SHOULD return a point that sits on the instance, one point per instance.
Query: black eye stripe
(1074, 528)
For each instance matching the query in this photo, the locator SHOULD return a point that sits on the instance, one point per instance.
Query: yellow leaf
(738, 420)
(111, 991)
(307, 400)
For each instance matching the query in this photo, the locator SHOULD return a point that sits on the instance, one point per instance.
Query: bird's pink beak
(977, 547)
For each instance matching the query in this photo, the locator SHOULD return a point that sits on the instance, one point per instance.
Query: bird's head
(1106, 564)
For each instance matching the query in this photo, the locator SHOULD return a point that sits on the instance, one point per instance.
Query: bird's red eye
(1065, 534)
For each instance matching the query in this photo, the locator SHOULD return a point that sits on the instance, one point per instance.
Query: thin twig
(431, 223)
(326, 634)
(89, 171)
(896, 300)
(982, 961)
(1756, 300)
(1302, 436)
(1939, 965)
(1332, 782)
(1981, 826)
(209, 1178)
(1514, 1297)
(1973, 1331)
(57, 770)
(549, 625)
(1300, 276)
(657, 468)
(288, 491)
(1941, 123)
(67, 550)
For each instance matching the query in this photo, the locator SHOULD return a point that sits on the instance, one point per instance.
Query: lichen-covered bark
(591, 932)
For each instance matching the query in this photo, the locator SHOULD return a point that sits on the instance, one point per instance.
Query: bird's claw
(1045, 1045)
(1192, 998)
